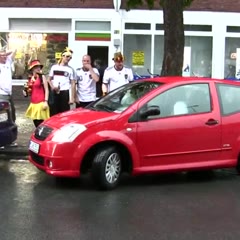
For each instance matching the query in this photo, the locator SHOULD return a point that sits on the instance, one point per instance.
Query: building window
(233, 29)
(46, 47)
(187, 27)
(138, 26)
(137, 52)
(92, 26)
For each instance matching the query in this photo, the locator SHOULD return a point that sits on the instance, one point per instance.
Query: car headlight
(68, 133)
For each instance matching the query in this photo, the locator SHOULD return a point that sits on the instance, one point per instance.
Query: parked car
(163, 124)
(8, 129)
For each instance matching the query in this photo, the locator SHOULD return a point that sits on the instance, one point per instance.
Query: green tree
(173, 32)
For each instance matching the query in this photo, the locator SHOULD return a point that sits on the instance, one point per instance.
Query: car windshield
(123, 97)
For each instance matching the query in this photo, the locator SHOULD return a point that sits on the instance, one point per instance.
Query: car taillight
(4, 105)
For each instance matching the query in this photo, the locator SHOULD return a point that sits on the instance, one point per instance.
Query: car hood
(81, 116)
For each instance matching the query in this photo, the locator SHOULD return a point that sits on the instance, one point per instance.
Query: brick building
(41, 29)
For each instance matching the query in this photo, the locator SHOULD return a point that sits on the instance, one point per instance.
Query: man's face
(66, 58)
(3, 57)
(118, 65)
(86, 62)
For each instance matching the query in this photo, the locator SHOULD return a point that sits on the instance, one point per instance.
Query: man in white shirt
(62, 82)
(6, 59)
(117, 75)
(87, 77)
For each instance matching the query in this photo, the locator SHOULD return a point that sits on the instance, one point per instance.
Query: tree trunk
(173, 37)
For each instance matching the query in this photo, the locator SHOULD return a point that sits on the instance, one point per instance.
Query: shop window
(232, 46)
(137, 52)
(199, 55)
(43, 46)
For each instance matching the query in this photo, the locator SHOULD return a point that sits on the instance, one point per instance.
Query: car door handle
(211, 122)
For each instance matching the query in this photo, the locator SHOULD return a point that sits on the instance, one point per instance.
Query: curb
(16, 153)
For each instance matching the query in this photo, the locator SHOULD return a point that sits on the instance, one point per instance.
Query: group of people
(64, 85)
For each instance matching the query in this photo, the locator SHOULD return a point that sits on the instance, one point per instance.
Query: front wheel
(106, 169)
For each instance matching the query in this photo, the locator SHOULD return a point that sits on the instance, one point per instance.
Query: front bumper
(60, 160)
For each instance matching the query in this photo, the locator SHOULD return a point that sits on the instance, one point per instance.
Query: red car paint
(206, 139)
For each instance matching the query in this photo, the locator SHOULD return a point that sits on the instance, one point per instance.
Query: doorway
(99, 52)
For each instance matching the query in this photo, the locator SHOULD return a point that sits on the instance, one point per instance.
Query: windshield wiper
(104, 107)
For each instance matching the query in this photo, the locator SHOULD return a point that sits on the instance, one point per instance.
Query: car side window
(182, 100)
(229, 98)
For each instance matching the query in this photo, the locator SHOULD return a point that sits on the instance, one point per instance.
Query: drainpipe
(117, 4)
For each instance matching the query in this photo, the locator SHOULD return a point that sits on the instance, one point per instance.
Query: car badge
(40, 131)
(126, 76)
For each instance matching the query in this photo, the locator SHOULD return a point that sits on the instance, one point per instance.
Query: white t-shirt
(86, 86)
(6, 77)
(62, 75)
(115, 79)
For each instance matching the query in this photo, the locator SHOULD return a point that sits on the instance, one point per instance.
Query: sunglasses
(67, 56)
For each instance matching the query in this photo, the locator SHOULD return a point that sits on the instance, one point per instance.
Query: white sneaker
(14, 144)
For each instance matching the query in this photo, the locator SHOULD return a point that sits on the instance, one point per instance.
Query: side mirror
(149, 111)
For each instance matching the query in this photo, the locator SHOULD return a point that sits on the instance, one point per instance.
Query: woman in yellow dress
(37, 89)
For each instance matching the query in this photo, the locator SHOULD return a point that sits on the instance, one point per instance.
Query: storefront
(212, 39)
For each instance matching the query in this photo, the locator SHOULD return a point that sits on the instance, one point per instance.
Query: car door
(187, 131)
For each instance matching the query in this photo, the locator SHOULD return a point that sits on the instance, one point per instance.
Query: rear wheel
(106, 169)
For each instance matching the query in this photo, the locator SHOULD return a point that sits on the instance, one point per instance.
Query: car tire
(106, 168)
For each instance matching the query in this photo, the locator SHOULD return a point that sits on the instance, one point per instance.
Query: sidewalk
(25, 129)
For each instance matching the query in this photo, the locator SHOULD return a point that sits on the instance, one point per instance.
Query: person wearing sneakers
(62, 81)
(117, 75)
(6, 60)
(37, 88)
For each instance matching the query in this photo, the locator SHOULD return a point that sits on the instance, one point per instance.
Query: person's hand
(71, 102)
(45, 105)
(87, 66)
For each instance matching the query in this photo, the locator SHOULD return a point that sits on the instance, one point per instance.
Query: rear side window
(229, 98)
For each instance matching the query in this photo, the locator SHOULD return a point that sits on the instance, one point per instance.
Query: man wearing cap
(117, 75)
(62, 82)
(87, 77)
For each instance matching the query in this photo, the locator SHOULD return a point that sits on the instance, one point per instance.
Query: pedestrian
(99, 66)
(6, 60)
(62, 82)
(37, 88)
(117, 75)
(87, 77)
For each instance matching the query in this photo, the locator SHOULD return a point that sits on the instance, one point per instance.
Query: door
(99, 53)
(187, 131)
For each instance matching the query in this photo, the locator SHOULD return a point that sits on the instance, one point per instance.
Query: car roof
(174, 79)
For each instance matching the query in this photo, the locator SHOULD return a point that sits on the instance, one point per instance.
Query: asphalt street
(163, 207)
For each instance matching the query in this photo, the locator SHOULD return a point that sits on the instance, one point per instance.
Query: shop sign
(138, 58)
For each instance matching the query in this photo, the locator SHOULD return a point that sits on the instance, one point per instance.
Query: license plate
(3, 117)
(34, 146)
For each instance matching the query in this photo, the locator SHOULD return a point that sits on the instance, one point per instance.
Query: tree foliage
(173, 32)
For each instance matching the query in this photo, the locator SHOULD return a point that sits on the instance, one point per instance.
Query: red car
(164, 124)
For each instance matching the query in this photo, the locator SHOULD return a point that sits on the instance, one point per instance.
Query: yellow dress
(35, 109)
